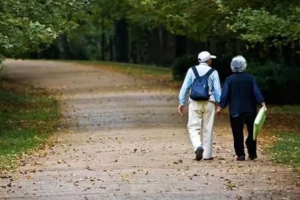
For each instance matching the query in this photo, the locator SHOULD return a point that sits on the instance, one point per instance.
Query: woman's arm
(258, 95)
(224, 97)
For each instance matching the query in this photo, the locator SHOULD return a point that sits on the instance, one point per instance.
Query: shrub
(181, 66)
(222, 65)
(278, 83)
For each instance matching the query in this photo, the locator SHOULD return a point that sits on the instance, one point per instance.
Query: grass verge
(27, 119)
(160, 75)
(286, 149)
(134, 69)
(283, 123)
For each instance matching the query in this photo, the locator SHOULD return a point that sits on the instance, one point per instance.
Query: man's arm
(187, 83)
(216, 86)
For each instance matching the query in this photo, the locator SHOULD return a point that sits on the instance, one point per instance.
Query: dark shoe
(240, 158)
(208, 158)
(252, 157)
(199, 153)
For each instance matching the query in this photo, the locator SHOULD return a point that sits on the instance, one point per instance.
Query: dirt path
(127, 142)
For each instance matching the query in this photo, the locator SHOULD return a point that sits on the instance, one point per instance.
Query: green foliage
(194, 19)
(85, 42)
(258, 25)
(26, 121)
(277, 82)
(268, 22)
(252, 21)
(27, 24)
(181, 66)
(261, 20)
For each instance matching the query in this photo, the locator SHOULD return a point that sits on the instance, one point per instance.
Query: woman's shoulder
(239, 76)
(242, 75)
(250, 76)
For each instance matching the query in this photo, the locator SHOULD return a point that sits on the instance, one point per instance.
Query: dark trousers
(237, 126)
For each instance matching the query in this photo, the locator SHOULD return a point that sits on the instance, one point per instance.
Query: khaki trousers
(201, 118)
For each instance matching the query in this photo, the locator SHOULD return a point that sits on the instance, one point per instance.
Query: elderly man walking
(199, 80)
(242, 94)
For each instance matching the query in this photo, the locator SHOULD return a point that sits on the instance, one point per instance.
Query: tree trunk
(102, 39)
(154, 49)
(181, 45)
(63, 48)
(121, 40)
(111, 49)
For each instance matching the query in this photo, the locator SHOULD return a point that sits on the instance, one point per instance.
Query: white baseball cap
(205, 56)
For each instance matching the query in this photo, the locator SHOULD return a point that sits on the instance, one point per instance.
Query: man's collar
(201, 64)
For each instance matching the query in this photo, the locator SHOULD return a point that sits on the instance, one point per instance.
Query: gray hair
(238, 64)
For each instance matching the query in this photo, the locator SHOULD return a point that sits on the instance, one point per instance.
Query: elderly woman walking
(242, 94)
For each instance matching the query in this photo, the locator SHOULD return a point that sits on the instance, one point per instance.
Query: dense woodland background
(162, 33)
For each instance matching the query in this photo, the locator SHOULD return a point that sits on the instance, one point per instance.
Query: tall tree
(259, 20)
(27, 24)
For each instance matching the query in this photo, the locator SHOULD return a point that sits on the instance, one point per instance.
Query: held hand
(219, 110)
(180, 110)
